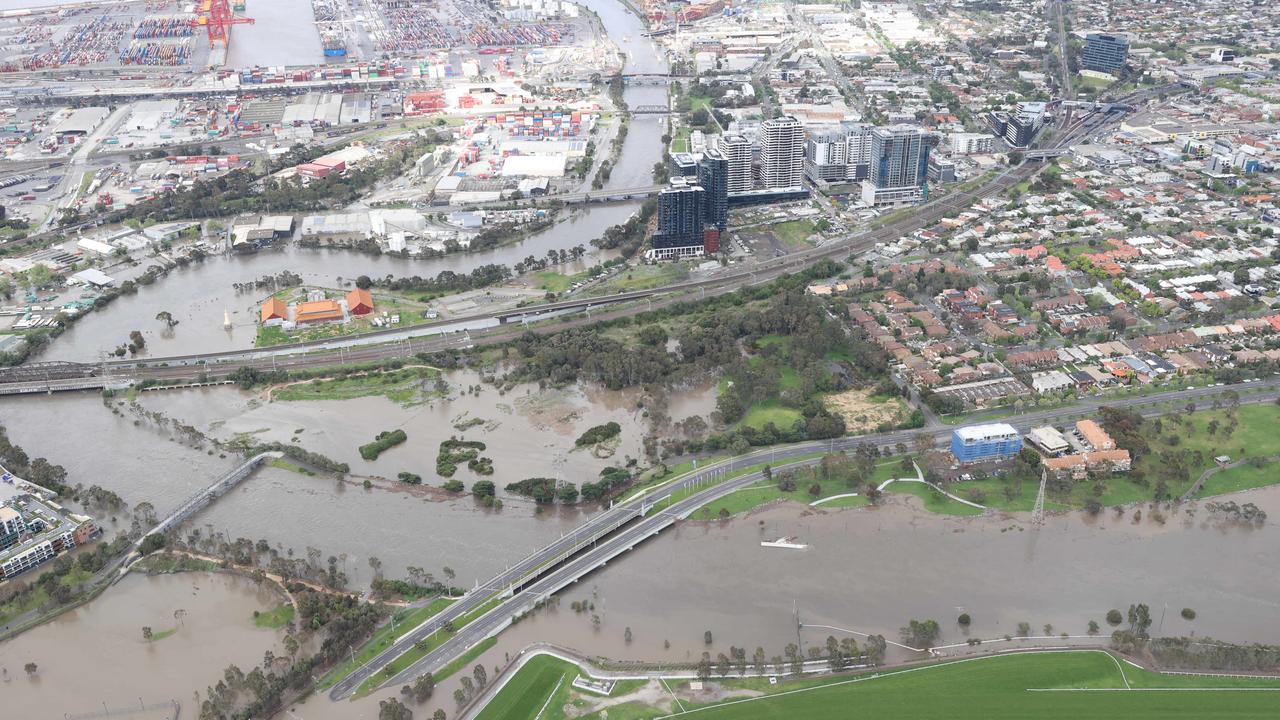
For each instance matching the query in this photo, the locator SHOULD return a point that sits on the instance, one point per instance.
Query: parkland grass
(1042, 685)
(275, 618)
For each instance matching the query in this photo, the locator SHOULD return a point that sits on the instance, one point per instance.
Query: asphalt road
(614, 531)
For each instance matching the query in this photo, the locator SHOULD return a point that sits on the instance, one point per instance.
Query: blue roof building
(978, 443)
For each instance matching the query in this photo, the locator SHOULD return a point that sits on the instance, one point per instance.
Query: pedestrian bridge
(201, 500)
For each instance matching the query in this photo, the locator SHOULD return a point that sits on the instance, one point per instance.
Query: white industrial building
(387, 222)
(533, 165)
(82, 121)
(150, 114)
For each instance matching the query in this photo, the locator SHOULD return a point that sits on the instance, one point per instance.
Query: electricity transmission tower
(1037, 513)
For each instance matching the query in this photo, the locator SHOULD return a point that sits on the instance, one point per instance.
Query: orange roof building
(1093, 434)
(274, 309)
(317, 311)
(359, 302)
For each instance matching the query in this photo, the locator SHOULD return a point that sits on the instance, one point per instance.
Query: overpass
(200, 500)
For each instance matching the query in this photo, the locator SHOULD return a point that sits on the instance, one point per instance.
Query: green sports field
(527, 692)
(1044, 686)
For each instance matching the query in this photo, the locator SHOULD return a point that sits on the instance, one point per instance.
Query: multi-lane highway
(627, 524)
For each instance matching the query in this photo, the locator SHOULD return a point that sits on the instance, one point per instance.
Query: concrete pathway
(919, 478)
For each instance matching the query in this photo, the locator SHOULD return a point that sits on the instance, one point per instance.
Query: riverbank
(1017, 684)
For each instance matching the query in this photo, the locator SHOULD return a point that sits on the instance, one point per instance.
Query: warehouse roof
(534, 165)
(82, 121)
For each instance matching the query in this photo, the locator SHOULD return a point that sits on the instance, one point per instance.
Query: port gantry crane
(216, 16)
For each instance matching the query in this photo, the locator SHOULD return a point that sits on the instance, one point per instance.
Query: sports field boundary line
(876, 676)
(1120, 667)
(554, 690)
(672, 693)
(1184, 689)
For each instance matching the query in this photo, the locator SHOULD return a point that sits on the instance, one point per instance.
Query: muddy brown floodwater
(529, 433)
(871, 570)
(96, 654)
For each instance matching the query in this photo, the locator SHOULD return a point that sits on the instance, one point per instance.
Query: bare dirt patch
(863, 412)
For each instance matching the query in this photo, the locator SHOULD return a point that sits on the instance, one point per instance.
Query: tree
(482, 678)
(964, 619)
(653, 335)
(38, 276)
(30, 668)
(1114, 617)
(1093, 627)
(483, 488)
(363, 282)
(423, 687)
(875, 647)
(166, 317)
(920, 633)
(392, 709)
(706, 637)
(146, 633)
(438, 714)
(1139, 619)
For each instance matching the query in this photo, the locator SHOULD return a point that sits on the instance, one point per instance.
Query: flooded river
(528, 432)
(96, 654)
(872, 570)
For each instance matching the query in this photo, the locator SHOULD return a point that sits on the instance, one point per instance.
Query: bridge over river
(198, 502)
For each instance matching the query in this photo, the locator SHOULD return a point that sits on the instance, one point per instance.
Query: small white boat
(784, 542)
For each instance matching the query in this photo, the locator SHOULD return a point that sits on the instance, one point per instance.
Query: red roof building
(359, 302)
(274, 309)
